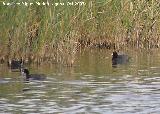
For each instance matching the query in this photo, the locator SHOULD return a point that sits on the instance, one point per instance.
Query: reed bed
(55, 33)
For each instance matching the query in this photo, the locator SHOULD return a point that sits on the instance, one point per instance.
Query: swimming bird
(15, 64)
(28, 76)
(119, 58)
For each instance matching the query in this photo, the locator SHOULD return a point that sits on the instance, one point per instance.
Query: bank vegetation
(55, 33)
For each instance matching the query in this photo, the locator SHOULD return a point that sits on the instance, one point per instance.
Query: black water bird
(119, 58)
(15, 64)
(28, 76)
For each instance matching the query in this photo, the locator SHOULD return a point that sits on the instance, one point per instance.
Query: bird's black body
(28, 76)
(119, 58)
(15, 65)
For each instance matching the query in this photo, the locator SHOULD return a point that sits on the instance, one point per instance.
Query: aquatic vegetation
(56, 32)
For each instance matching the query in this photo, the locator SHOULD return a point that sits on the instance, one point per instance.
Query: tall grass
(56, 33)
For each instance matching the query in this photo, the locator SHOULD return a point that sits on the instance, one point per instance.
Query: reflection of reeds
(67, 49)
(55, 33)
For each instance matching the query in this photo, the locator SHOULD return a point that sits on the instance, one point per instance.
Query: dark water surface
(92, 86)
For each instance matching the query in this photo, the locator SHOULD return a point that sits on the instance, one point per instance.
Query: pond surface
(92, 86)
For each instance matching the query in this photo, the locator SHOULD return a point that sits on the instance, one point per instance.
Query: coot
(28, 76)
(15, 65)
(119, 58)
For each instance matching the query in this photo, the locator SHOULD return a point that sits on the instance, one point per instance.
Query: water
(92, 86)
